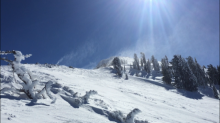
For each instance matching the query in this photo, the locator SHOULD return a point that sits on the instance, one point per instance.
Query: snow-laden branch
(7, 52)
(26, 76)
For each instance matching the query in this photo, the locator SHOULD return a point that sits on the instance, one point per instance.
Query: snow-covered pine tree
(143, 58)
(188, 78)
(207, 79)
(152, 59)
(213, 74)
(167, 75)
(142, 63)
(136, 62)
(184, 78)
(201, 77)
(147, 67)
(193, 67)
(176, 66)
(134, 65)
(215, 92)
(156, 65)
(117, 65)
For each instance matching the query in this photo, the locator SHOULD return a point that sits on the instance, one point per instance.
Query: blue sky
(80, 33)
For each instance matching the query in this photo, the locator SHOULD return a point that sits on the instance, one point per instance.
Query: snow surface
(157, 102)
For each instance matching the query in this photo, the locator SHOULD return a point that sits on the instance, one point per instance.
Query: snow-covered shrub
(56, 88)
(131, 115)
(118, 115)
(67, 89)
(87, 95)
(56, 85)
(78, 101)
(26, 76)
(84, 99)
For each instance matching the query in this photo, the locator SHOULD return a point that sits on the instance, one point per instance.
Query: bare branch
(6, 60)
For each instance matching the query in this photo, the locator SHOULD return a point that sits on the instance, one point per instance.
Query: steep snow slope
(158, 102)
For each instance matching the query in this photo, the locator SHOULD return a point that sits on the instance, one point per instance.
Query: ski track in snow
(158, 102)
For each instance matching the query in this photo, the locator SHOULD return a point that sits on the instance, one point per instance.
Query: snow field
(158, 102)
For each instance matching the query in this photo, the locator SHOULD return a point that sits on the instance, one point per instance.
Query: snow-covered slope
(158, 102)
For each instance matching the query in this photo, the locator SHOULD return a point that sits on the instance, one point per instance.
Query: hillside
(158, 102)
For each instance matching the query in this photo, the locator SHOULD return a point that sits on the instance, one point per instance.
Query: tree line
(182, 73)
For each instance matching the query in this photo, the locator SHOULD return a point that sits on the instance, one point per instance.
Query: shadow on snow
(188, 94)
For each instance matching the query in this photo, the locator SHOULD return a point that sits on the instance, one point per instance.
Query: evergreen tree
(201, 75)
(192, 66)
(117, 65)
(134, 65)
(166, 70)
(147, 67)
(189, 79)
(136, 62)
(184, 78)
(177, 71)
(144, 59)
(196, 70)
(142, 64)
(215, 92)
(213, 74)
(152, 59)
(218, 69)
(156, 65)
(207, 79)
